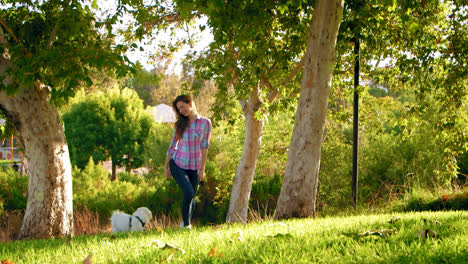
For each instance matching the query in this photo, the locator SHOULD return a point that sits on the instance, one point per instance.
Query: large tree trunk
(49, 211)
(299, 188)
(242, 184)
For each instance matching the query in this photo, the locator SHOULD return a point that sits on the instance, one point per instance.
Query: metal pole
(355, 123)
(11, 148)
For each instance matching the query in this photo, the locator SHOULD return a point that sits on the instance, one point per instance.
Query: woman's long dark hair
(182, 121)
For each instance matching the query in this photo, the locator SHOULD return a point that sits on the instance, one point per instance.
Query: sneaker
(181, 226)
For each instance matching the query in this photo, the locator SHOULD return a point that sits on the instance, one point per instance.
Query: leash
(139, 219)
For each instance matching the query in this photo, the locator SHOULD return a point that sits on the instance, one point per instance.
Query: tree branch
(299, 66)
(9, 31)
(172, 18)
(2, 38)
(273, 92)
(54, 31)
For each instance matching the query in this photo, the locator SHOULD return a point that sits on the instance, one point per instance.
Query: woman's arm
(169, 154)
(201, 172)
(167, 170)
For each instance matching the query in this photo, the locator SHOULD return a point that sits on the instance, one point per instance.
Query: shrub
(92, 189)
(13, 190)
(158, 142)
(265, 193)
(425, 200)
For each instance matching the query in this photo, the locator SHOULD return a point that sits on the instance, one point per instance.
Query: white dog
(122, 222)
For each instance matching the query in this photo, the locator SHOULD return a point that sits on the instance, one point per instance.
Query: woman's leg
(193, 178)
(181, 177)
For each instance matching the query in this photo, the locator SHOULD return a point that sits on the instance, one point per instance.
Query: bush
(157, 144)
(93, 189)
(13, 190)
(265, 193)
(334, 190)
(427, 202)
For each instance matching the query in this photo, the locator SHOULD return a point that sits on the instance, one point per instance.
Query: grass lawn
(427, 237)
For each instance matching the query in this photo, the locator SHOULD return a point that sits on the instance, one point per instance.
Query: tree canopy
(106, 125)
(56, 43)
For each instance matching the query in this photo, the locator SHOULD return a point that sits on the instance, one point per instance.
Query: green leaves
(56, 44)
(413, 27)
(107, 125)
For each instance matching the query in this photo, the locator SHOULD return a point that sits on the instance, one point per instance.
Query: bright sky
(150, 44)
(203, 39)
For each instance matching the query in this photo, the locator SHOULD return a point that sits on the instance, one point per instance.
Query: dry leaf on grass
(175, 247)
(380, 233)
(87, 260)
(426, 221)
(6, 261)
(162, 245)
(279, 223)
(170, 256)
(237, 235)
(212, 252)
(158, 243)
(281, 235)
(427, 233)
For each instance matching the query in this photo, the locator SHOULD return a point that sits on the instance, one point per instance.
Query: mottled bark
(49, 211)
(242, 184)
(299, 188)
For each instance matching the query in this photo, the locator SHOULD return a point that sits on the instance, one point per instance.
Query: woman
(186, 156)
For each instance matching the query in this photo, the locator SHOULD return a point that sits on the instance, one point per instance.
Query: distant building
(163, 113)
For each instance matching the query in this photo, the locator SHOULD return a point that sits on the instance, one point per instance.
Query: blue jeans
(188, 182)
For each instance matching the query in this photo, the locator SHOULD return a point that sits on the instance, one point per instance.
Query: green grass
(321, 240)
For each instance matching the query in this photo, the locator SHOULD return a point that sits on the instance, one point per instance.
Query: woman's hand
(167, 171)
(201, 175)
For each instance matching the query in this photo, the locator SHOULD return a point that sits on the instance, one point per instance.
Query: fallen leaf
(426, 221)
(159, 229)
(279, 235)
(212, 252)
(170, 256)
(237, 235)
(6, 261)
(214, 227)
(158, 243)
(427, 233)
(280, 223)
(162, 245)
(380, 233)
(87, 260)
(174, 247)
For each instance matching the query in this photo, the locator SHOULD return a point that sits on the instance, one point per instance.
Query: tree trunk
(242, 184)
(299, 189)
(114, 172)
(49, 211)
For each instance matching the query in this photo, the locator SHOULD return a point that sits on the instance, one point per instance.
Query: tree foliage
(108, 125)
(257, 44)
(57, 43)
(146, 84)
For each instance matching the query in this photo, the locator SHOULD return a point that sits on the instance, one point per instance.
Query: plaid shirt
(186, 152)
